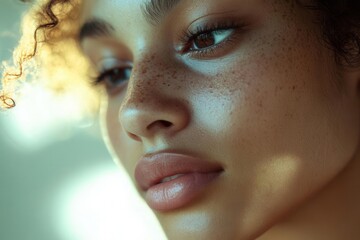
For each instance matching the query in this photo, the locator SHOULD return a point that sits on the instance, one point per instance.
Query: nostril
(162, 123)
(165, 123)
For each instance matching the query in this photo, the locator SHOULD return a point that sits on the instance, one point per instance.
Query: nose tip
(148, 120)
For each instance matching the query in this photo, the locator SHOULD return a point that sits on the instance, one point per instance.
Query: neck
(332, 214)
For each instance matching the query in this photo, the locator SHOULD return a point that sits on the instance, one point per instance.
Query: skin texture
(280, 116)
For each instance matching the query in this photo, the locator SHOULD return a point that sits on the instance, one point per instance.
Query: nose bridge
(151, 105)
(148, 81)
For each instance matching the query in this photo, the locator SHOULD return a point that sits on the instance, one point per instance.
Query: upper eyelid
(211, 24)
(212, 30)
(117, 64)
(103, 74)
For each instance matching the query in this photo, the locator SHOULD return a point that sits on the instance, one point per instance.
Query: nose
(151, 108)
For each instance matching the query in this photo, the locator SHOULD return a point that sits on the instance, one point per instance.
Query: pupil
(205, 40)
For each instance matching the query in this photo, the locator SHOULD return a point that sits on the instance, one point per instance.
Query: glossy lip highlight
(172, 180)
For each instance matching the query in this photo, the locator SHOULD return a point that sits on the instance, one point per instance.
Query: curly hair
(339, 19)
(45, 20)
(49, 40)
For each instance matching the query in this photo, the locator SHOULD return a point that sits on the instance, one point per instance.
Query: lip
(191, 176)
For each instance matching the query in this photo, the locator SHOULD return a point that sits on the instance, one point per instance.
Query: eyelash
(102, 75)
(188, 36)
(101, 78)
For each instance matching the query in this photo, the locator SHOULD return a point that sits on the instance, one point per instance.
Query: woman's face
(256, 98)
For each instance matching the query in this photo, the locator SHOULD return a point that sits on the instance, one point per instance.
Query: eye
(209, 39)
(114, 78)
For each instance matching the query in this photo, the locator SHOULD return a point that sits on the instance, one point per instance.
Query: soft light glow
(42, 116)
(103, 205)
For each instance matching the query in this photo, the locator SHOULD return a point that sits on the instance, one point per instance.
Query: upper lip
(154, 167)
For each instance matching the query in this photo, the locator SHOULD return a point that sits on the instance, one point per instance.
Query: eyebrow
(95, 28)
(153, 11)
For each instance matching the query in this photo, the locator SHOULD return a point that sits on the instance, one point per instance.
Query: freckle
(260, 104)
(293, 87)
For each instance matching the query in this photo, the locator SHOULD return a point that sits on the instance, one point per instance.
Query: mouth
(167, 179)
(173, 180)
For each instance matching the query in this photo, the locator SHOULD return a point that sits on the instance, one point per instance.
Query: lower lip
(178, 192)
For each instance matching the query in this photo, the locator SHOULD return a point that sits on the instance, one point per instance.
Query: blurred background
(57, 179)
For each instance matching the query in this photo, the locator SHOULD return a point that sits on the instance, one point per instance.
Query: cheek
(123, 148)
(282, 118)
(284, 100)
